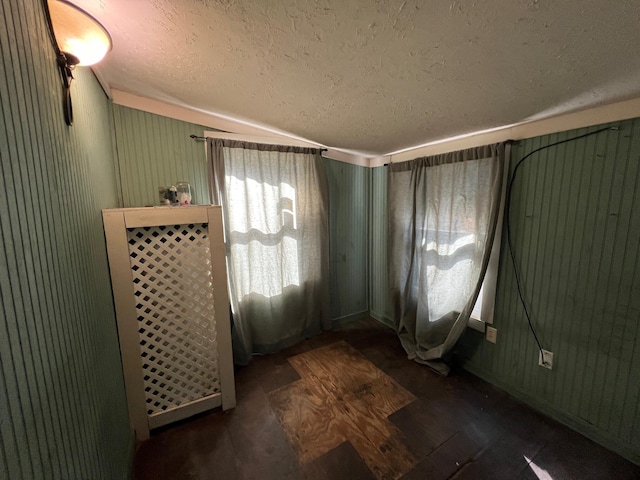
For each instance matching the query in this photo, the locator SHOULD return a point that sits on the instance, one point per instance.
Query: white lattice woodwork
(173, 281)
(169, 283)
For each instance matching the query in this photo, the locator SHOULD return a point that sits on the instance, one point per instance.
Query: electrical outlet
(545, 359)
(492, 334)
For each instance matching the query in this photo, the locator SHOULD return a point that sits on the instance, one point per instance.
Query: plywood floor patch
(341, 396)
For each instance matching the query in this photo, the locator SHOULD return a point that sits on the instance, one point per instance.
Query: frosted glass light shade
(78, 33)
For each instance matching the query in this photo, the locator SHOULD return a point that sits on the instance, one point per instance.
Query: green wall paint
(62, 400)
(61, 397)
(593, 380)
(348, 244)
(379, 297)
(156, 151)
(577, 238)
(577, 234)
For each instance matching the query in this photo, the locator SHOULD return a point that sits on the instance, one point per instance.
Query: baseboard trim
(352, 317)
(132, 447)
(382, 319)
(546, 408)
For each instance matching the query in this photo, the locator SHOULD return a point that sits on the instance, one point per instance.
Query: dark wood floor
(305, 414)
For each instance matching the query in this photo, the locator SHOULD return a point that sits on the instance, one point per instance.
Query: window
(445, 212)
(274, 200)
(482, 313)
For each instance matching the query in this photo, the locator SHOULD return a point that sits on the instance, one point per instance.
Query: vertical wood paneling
(576, 234)
(379, 296)
(62, 400)
(349, 239)
(156, 151)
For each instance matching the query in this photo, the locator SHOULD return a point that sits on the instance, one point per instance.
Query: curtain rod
(202, 139)
(510, 142)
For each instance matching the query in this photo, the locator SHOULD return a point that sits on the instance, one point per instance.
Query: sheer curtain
(275, 204)
(443, 212)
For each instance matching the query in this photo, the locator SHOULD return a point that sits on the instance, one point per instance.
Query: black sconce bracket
(74, 24)
(66, 63)
(64, 66)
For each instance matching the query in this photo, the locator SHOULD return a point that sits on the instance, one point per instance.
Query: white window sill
(476, 324)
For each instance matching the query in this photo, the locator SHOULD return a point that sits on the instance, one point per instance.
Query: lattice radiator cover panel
(173, 284)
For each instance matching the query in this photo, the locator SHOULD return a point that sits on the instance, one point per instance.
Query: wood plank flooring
(343, 397)
(348, 404)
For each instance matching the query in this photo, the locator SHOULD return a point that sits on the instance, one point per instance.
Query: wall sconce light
(79, 39)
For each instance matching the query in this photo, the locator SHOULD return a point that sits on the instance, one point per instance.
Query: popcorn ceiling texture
(375, 76)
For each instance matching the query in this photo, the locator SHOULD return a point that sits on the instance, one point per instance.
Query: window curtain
(275, 209)
(443, 212)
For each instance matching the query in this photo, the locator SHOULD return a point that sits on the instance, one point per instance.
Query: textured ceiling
(374, 76)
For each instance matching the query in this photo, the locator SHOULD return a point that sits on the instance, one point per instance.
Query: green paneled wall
(379, 296)
(62, 400)
(63, 410)
(577, 236)
(349, 238)
(156, 151)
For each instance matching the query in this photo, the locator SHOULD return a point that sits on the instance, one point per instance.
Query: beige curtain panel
(443, 212)
(275, 204)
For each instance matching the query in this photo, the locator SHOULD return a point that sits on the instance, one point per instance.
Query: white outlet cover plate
(492, 334)
(548, 357)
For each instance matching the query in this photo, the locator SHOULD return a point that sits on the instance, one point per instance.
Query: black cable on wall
(508, 223)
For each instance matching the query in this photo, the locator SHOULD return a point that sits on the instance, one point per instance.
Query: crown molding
(571, 121)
